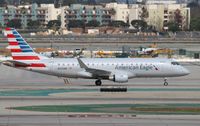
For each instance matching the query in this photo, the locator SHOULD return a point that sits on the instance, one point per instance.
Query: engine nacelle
(121, 78)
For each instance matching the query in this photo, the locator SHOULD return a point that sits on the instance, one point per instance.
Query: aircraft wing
(96, 72)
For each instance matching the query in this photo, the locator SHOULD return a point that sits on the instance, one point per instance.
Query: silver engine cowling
(120, 78)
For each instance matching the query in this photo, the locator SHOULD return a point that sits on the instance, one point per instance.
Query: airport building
(25, 13)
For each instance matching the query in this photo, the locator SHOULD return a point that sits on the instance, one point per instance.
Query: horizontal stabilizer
(14, 63)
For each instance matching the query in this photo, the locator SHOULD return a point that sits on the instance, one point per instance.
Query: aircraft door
(51, 62)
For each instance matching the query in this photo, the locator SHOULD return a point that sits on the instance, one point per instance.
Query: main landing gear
(98, 82)
(66, 81)
(165, 82)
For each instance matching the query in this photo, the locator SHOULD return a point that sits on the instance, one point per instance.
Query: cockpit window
(175, 63)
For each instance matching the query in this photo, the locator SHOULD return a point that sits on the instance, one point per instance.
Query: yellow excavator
(154, 51)
(102, 53)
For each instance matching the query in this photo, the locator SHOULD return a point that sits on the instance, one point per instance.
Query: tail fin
(20, 49)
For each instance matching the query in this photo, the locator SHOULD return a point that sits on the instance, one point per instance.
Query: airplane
(118, 70)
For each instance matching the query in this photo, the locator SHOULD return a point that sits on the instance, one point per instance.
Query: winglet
(82, 64)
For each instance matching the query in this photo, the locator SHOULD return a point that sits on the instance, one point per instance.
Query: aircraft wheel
(98, 82)
(165, 83)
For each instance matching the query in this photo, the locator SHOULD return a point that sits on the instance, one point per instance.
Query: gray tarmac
(66, 121)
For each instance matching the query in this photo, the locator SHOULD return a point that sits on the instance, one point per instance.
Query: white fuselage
(132, 67)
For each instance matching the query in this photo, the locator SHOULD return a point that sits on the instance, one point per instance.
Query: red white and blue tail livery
(114, 69)
(20, 49)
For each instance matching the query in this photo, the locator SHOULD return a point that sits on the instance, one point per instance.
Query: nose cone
(185, 72)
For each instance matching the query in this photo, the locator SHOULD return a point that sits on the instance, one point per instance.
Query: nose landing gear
(98, 82)
(165, 82)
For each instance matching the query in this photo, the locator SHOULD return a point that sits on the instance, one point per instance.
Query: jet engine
(121, 78)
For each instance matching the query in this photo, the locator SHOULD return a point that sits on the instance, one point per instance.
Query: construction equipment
(168, 52)
(102, 53)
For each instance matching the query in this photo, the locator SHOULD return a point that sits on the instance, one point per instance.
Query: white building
(63, 16)
(161, 14)
(124, 12)
(134, 12)
(121, 11)
(51, 13)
